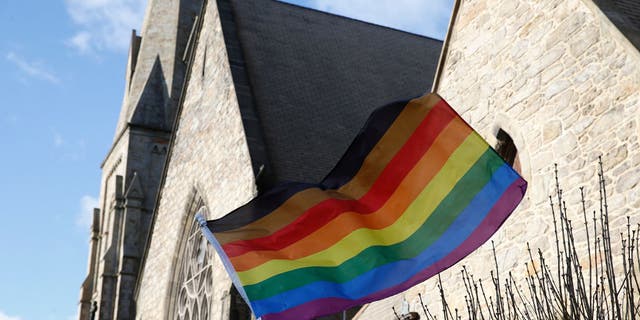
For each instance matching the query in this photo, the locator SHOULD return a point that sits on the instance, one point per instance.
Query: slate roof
(631, 8)
(307, 80)
(625, 15)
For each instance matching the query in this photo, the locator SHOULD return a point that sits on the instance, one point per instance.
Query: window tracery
(193, 291)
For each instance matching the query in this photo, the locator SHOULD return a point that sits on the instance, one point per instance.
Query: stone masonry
(271, 65)
(556, 75)
(209, 158)
(133, 167)
(565, 84)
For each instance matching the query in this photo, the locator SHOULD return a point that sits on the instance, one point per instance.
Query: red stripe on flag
(382, 189)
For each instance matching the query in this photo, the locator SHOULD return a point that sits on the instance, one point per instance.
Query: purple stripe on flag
(496, 217)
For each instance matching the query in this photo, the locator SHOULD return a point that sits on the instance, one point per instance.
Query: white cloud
(4, 316)
(33, 69)
(104, 24)
(85, 217)
(81, 41)
(58, 141)
(430, 18)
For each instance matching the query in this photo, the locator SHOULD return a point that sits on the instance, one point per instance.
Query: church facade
(225, 98)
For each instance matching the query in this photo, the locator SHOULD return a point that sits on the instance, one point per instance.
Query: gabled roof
(306, 81)
(625, 15)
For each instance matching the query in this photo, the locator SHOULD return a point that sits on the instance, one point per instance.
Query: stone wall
(565, 84)
(99, 275)
(154, 80)
(209, 157)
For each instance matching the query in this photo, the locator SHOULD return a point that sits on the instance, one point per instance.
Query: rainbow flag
(415, 192)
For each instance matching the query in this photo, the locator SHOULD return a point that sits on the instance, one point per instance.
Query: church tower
(133, 166)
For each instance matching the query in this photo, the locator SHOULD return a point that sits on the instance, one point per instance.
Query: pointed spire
(156, 63)
(150, 110)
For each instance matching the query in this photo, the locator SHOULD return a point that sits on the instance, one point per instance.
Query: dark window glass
(506, 148)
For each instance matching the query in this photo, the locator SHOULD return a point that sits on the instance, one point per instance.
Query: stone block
(547, 59)
(556, 87)
(565, 29)
(583, 123)
(583, 40)
(528, 89)
(551, 72)
(469, 13)
(551, 130)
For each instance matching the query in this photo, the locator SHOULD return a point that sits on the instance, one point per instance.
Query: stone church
(226, 98)
(235, 96)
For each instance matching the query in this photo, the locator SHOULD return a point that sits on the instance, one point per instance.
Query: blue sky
(62, 67)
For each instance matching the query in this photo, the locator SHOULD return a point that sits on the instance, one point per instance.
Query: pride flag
(415, 192)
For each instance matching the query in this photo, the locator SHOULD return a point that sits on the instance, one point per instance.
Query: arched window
(193, 290)
(506, 148)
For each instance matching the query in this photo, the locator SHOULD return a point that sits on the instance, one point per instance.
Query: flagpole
(206, 232)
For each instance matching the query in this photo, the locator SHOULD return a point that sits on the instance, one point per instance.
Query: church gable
(313, 79)
(211, 150)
